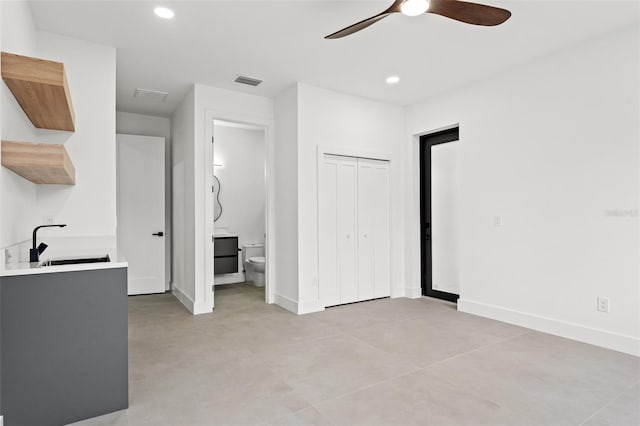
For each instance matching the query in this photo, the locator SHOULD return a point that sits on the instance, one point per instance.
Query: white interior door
(353, 214)
(347, 216)
(141, 224)
(366, 212)
(328, 252)
(373, 229)
(381, 250)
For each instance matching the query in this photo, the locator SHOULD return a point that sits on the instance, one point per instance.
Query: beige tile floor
(384, 362)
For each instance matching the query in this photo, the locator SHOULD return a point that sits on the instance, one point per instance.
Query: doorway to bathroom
(239, 213)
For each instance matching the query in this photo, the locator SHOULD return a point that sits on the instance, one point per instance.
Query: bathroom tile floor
(383, 362)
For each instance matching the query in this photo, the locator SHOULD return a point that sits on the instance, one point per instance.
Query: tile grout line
(355, 391)
(410, 372)
(614, 399)
(345, 333)
(469, 351)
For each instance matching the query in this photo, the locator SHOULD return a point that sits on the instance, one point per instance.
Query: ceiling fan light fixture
(393, 80)
(414, 7)
(164, 12)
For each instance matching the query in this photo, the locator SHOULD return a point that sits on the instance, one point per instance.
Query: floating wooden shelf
(41, 89)
(39, 163)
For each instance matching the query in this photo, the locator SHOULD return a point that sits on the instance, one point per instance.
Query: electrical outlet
(497, 221)
(603, 304)
(48, 220)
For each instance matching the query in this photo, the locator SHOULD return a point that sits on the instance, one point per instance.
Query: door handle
(158, 234)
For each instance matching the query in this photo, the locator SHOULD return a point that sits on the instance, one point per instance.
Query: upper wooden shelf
(41, 89)
(39, 162)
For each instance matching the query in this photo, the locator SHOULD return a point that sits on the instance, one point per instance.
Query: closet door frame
(342, 151)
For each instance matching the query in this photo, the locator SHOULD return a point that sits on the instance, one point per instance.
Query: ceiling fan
(471, 13)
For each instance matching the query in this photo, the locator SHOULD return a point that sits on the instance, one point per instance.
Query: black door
(426, 225)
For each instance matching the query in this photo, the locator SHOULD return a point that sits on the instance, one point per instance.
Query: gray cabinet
(225, 255)
(64, 346)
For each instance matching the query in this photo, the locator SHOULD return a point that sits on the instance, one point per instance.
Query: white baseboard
(606, 339)
(201, 308)
(310, 307)
(196, 308)
(298, 307)
(183, 298)
(286, 303)
(413, 293)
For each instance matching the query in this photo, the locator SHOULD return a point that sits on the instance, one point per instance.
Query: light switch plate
(603, 304)
(497, 221)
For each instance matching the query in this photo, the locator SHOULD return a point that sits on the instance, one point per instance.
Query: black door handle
(159, 234)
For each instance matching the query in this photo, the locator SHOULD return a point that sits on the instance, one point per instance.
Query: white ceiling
(281, 42)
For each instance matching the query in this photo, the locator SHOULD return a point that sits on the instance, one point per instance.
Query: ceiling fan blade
(394, 8)
(471, 13)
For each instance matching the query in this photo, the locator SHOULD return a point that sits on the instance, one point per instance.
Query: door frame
(437, 137)
(343, 151)
(269, 135)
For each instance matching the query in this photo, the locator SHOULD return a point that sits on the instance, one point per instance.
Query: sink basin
(74, 260)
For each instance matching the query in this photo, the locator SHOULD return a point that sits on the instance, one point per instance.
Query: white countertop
(30, 268)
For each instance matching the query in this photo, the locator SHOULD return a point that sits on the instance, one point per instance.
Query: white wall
(241, 152)
(19, 33)
(182, 253)
(552, 147)
(363, 126)
(286, 198)
(148, 125)
(17, 195)
(88, 207)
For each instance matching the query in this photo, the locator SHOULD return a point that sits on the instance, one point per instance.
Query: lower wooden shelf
(39, 163)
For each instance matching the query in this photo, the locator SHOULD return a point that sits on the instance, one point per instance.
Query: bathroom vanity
(63, 342)
(225, 254)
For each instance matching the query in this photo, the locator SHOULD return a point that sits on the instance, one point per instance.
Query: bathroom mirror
(217, 207)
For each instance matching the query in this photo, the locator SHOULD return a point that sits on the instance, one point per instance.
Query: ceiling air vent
(243, 79)
(150, 95)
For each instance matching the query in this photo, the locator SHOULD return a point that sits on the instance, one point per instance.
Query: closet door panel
(347, 215)
(366, 228)
(328, 251)
(381, 247)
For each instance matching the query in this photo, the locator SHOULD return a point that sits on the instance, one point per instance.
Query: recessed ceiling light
(393, 79)
(164, 12)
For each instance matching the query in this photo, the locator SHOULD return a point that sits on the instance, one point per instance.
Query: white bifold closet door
(353, 203)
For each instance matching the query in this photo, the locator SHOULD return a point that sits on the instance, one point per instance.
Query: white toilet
(254, 263)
